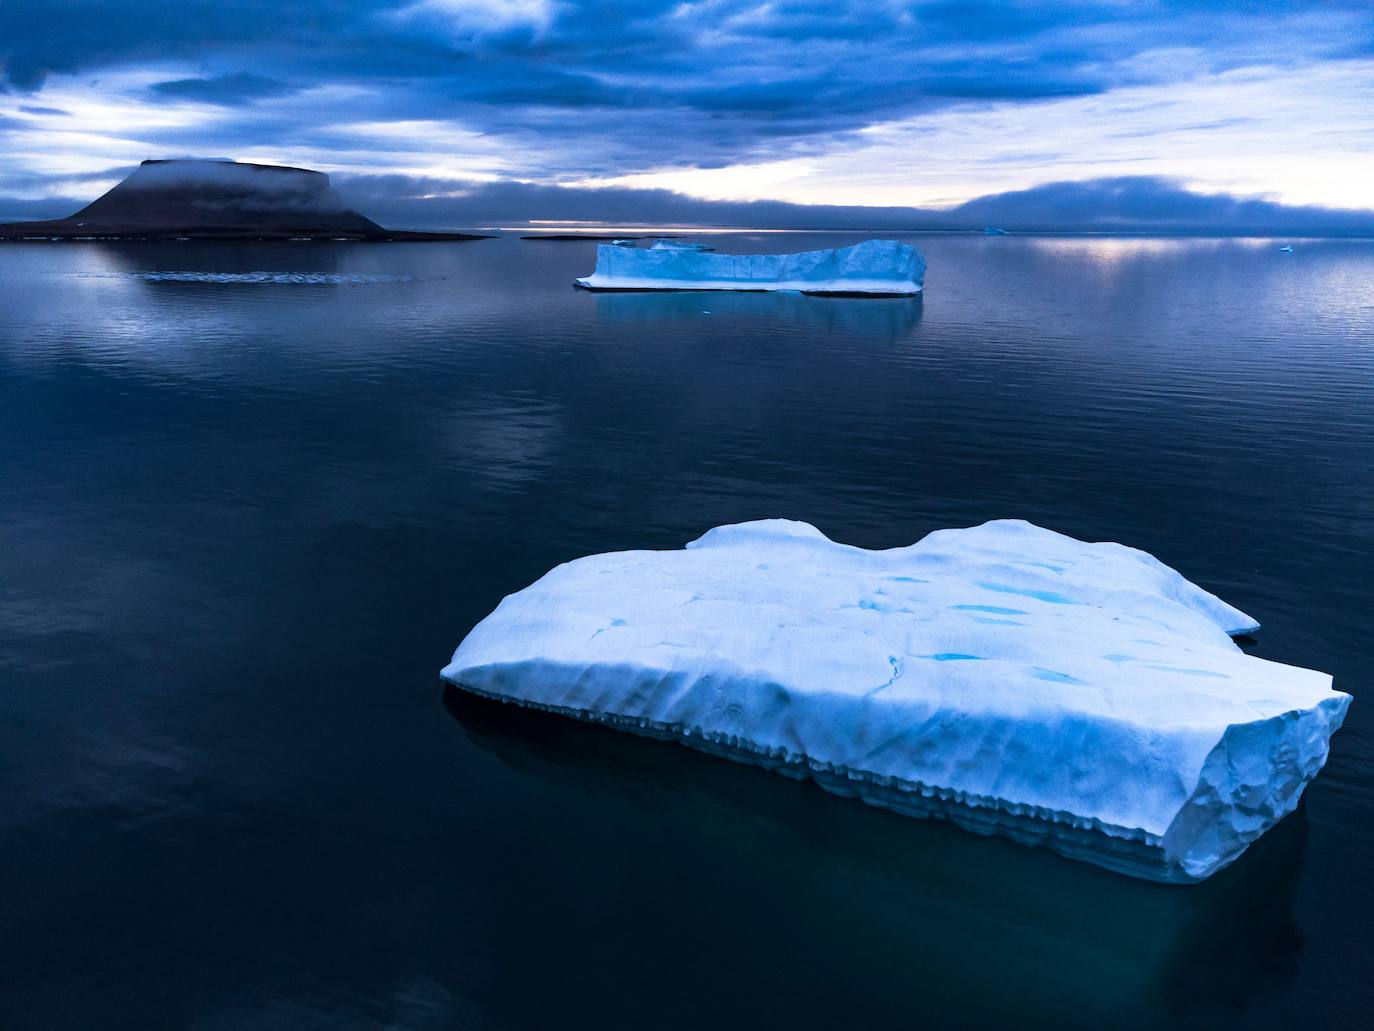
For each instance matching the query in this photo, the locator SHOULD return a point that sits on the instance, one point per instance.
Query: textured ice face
(1009, 678)
(883, 267)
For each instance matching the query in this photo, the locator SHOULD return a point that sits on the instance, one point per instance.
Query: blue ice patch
(1053, 676)
(1052, 597)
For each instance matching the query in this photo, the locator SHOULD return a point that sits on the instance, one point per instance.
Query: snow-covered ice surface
(1006, 677)
(882, 267)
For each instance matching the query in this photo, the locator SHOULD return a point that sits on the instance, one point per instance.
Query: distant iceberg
(994, 231)
(874, 267)
(1010, 679)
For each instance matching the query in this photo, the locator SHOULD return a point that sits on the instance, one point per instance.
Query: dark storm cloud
(622, 86)
(1138, 203)
(40, 38)
(568, 90)
(228, 90)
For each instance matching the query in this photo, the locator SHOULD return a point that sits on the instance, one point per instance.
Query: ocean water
(252, 496)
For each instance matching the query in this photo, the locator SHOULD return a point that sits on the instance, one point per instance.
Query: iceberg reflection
(1002, 930)
(872, 316)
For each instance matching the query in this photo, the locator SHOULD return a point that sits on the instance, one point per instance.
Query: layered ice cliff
(1005, 677)
(881, 267)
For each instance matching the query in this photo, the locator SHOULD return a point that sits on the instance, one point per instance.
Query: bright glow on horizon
(1305, 137)
(738, 182)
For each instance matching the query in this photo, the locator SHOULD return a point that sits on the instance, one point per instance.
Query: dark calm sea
(248, 511)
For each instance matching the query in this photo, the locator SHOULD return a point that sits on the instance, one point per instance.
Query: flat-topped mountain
(218, 200)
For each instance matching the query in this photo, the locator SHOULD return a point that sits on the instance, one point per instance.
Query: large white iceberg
(882, 267)
(1006, 677)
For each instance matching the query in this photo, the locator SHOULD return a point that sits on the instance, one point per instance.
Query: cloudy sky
(530, 107)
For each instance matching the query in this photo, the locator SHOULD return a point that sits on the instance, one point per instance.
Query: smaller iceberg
(883, 268)
(994, 231)
(680, 245)
(1287, 248)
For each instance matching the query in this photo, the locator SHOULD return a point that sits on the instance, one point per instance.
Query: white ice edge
(837, 286)
(767, 643)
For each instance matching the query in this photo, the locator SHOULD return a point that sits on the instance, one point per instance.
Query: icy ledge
(877, 267)
(1007, 678)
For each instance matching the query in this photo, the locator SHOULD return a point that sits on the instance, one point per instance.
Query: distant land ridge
(217, 200)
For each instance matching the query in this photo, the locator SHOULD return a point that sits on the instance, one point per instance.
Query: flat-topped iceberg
(1006, 677)
(879, 267)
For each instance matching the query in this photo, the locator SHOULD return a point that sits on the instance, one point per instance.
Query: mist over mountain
(225, 194)
(1125, 204)
(216, 198)
(239, 196)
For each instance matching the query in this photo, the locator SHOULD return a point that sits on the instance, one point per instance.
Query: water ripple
(293, 278)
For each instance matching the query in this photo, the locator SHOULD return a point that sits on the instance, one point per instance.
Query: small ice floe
(883, 268)
(1287, 248)
(1004, 677)
(679, 245)
(994, 231)
(627, 241)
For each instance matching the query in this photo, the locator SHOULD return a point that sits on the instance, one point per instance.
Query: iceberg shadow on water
(1040, 930)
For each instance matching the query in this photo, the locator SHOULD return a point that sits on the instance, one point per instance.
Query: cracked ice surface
(1006, 677)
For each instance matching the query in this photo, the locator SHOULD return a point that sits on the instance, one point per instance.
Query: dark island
(218, 200)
